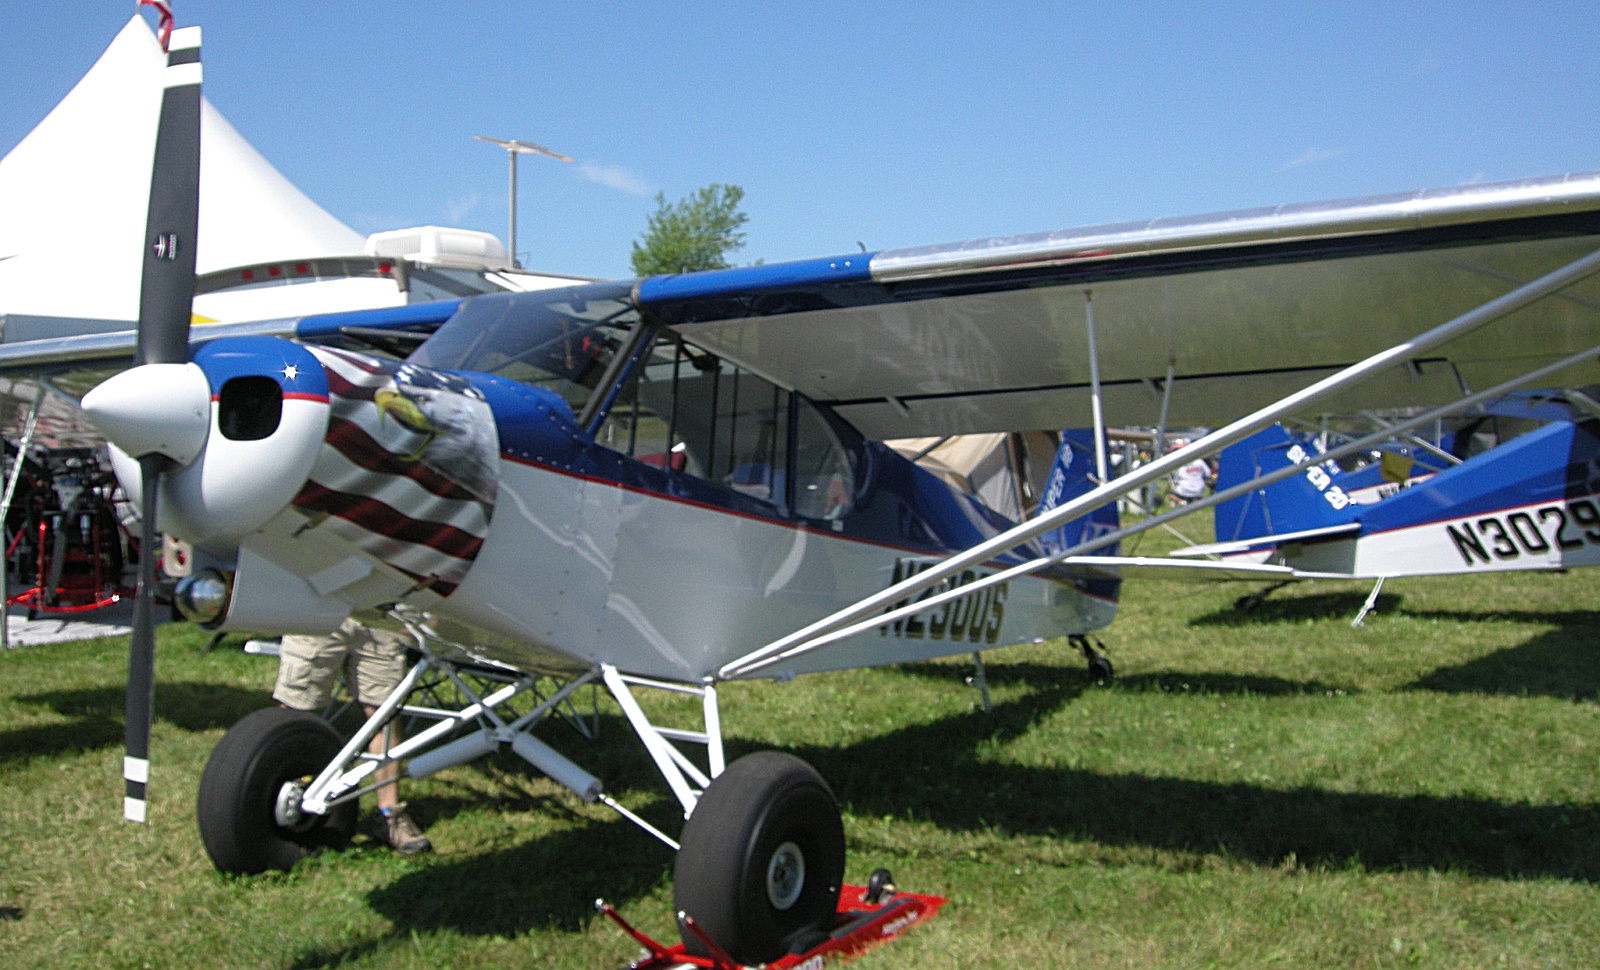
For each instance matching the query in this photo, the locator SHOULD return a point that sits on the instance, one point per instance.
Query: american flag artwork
(407, 471)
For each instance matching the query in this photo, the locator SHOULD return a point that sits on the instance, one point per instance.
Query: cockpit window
(561, 339)
(679, 408)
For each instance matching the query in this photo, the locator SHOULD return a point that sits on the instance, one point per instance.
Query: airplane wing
(1245, 307)
(990, 335)
(56, 372)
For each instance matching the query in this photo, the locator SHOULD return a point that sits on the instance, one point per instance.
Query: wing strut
(1100, 468)
(1161, 423)
(848, 622)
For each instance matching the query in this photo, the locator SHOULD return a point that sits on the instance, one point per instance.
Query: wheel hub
(786, 876)
(286, 811)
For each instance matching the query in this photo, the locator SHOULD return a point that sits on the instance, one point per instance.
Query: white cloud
(1312, 156)
(615, 177)
(454, 211)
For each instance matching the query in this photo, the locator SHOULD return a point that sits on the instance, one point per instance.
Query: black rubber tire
(760, 803)
(239, 790)
(1100, 670)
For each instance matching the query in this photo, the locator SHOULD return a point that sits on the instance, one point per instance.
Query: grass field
(1270, 789)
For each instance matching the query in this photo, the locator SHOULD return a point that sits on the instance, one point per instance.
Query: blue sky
(884, 124)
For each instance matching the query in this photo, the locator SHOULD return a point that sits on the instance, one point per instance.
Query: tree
(696, 232)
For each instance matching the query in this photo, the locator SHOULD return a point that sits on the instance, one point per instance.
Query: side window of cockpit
(823, 484)
(691, 412)
(733, 426)
(643, 423)
(747, 444)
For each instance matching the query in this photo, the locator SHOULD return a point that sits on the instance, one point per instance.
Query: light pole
(513, 149)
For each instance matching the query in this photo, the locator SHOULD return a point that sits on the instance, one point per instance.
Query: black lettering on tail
(1465, 540)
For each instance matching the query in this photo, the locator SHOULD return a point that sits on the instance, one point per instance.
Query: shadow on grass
(546, 884)
(96, 715)
(933, 773)
(1563, 662)
(930, 772)
(549, 883)
(1075, 680)
(1288, 608)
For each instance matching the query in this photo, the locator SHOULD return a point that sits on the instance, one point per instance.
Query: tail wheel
(249, 804)
(762, 858)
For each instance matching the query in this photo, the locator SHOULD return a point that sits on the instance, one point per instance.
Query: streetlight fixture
(513, 149)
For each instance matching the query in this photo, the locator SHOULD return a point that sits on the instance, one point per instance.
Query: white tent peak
(73, 195)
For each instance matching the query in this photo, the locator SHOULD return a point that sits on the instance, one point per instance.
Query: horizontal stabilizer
(1156, 567)
(1267, 542)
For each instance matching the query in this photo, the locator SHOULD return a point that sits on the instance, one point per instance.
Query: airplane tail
(1071, 476)
(1309, 500)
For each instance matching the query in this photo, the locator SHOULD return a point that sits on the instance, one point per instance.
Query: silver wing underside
(1245, 308)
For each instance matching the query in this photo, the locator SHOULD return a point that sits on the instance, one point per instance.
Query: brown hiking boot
(397, 829)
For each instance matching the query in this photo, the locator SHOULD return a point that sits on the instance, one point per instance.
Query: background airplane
(664, 484)
(1512, 485)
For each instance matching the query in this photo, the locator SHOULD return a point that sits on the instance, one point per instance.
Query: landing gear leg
(1100, 670)
(1372, 600)
(980, 680)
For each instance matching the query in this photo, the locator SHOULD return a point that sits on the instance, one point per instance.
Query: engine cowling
(267, 418)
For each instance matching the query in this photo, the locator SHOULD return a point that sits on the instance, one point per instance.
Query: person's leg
(396, 825)
(389, 774)
(377, 665)
(308, 666)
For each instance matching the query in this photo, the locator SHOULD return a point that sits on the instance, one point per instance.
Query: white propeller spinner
(160, 409)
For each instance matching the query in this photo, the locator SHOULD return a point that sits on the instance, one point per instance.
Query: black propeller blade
(166, 297)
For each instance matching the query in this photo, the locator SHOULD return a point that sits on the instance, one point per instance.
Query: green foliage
(695, 233)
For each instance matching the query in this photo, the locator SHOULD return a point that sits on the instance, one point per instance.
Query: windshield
(561, 339)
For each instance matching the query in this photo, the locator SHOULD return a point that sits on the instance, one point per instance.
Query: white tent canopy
(73, 195)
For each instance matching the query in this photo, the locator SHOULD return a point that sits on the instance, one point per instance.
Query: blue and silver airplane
(665, 484)
(1514, 484)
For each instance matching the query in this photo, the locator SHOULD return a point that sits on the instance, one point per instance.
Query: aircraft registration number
(974, 618)
(1560, 526)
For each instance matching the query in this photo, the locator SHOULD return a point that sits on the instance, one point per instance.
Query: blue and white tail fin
(1310, 500)
(1071, 475)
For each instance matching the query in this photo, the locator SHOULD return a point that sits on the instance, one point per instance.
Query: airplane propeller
(159, 411)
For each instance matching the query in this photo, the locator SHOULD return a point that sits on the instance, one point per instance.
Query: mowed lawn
(1265, 789)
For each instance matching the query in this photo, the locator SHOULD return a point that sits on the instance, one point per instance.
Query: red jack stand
(857, 926)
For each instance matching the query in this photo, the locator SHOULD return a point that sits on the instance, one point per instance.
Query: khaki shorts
(372, 662)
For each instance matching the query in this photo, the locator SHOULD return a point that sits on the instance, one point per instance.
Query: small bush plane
(1515, 485)
(670, 483)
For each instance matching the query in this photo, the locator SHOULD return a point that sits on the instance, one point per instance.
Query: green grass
(1264, 789)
